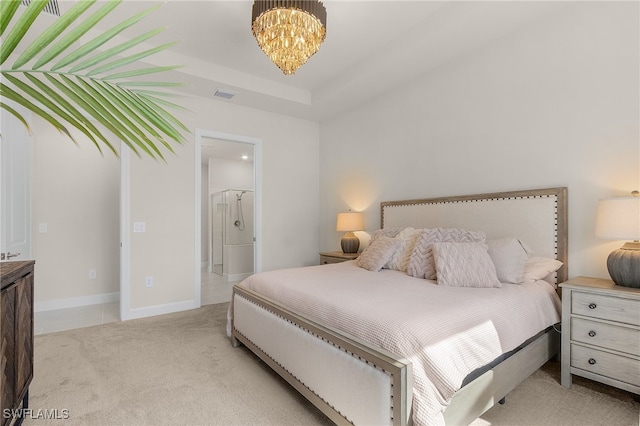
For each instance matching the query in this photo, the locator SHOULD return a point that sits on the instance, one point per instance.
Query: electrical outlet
(148, 281)
(92, 274)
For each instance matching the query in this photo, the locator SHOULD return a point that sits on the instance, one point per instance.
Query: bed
(390, 346)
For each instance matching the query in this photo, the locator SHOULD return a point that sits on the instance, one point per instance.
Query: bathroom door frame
(257, 203)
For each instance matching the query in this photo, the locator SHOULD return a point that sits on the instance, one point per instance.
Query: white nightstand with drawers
(601, 333)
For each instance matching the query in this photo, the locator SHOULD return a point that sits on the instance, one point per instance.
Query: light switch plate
(139, 227)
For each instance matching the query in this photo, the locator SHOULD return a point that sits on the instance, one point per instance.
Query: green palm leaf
(78, 120)
(52, 32)
(17, 98)
(76, 33)
(100, 40)
(7, 10)
(120, 48)
(16, 114)
(69, 93)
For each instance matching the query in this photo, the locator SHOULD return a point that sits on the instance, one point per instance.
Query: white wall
(229, 174)
(75, 193)
(163, 196)
(555, 104)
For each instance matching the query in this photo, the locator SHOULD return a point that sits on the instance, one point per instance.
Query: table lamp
(619, 219)
(350, 222)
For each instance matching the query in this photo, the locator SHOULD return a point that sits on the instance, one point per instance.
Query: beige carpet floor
(180, 369)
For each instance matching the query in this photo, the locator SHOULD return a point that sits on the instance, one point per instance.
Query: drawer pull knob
(592, 333)
(592, 361)
(592, 306)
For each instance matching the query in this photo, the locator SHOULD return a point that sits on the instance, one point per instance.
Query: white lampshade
(618, 218)
(350, 221)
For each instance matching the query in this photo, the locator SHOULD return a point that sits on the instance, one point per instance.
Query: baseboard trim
(236, 277)
(151, 311)
(75, 302)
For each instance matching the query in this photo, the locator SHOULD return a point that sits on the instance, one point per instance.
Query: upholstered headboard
(537, 217)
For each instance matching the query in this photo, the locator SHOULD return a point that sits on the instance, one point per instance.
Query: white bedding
(445, 332)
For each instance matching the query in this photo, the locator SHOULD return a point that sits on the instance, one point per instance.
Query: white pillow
(539, 268)
(378, 253)
(386, 232)
(509, 256)
(421, 263)
(464, 265)
(400, 258)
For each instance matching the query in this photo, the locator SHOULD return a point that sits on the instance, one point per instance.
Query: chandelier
(289, 32)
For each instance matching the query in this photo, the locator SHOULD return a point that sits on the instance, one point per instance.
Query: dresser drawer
(606, 307)
(619, 338)
(606, 364)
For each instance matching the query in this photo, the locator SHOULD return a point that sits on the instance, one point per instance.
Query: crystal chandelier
(289, 32)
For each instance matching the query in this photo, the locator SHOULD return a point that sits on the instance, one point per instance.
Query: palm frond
(88, 85)
(81, 29)
(77, 119)
(100, 40)
(52, 32)
(16, 114)
(7, 10)
(8, 93)
(116, 50)
(20, 29)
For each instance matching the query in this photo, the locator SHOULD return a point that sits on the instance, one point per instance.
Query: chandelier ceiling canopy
(289, 32)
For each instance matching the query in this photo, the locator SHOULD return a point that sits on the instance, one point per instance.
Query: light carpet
(180, 369)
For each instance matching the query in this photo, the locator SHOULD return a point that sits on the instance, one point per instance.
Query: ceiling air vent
(224, 93)
(52, 8)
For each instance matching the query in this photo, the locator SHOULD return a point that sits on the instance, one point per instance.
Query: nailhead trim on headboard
(559, 196)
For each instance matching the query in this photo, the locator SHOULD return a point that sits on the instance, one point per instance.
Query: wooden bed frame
(287, 341)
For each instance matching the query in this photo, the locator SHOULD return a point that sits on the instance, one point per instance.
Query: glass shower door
(216, 242)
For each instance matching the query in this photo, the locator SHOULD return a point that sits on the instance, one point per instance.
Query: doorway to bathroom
(231, 234)
(229, 210)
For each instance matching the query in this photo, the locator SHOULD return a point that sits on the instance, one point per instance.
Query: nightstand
(601, 333)
(336, 257)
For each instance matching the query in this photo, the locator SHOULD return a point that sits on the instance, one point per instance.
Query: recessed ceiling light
(245, 157)
(224, 93)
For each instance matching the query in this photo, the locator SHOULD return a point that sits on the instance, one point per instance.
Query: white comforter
(445, 332)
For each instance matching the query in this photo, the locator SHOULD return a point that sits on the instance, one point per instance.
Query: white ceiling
(371, 46)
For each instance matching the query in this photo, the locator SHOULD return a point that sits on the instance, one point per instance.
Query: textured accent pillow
(539, 268)
(464, 265)
(509, 256)
(386, 232)
(421, 264)
(400, 258)
(378, 253)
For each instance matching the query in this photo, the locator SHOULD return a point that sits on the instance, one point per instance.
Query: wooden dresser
(16, 331)
(601, 333)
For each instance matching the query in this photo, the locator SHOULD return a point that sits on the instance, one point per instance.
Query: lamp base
(350, 243)
(624, 265)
